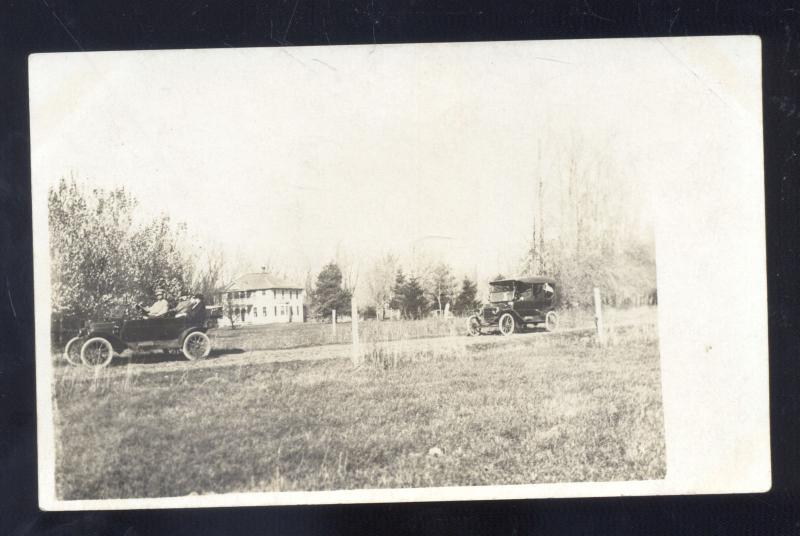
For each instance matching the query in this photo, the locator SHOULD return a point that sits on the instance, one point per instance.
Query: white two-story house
(262, 298)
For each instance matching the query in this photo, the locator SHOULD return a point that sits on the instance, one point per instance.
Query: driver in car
(160, 307)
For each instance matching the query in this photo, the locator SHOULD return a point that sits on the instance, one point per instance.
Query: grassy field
(539, 408)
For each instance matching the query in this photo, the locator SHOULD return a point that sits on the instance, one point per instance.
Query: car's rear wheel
(551, 321)
(507, 324)
(196, 346)
(72, 351)
(97, 352)
(473, 326)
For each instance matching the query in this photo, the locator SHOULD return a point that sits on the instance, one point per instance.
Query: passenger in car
(185, 304)
(197, 313)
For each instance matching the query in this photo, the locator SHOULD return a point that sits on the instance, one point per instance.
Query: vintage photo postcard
(421, 272)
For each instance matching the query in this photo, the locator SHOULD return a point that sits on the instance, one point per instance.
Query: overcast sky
(288, 154)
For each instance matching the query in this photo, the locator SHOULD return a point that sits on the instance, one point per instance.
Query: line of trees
(585, 233)
(104, 255)
(586, 230)
(390, 290)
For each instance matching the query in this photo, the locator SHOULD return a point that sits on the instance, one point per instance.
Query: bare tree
(207, 279)
(441, 286)
(380, 282)
(593, 236)
(349, 269)
(230, 310)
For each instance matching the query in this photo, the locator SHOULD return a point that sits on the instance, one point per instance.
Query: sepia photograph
(359, 270)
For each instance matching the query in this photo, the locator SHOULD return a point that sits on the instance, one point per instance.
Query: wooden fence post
(333, 322)
(598, 317)
(354, 325)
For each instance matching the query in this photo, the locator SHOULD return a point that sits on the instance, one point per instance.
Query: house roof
(259, 281)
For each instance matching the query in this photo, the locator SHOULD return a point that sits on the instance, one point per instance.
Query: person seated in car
(159, 307)
(198, 309)
(184, 305)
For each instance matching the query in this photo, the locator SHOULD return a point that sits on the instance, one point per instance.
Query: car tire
(507, 324)
(97, 352)
(551, 321)
(196, 346)
(473, 326)
(72, 351)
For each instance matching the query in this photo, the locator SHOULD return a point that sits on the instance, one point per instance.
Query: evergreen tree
(396, 301)
(329, 294)
(415, 305)
(466, 301)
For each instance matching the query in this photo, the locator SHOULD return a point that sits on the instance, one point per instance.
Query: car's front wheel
(551, 321)
(196, 345)
(507, 324)
(473, 326)
(97, 352)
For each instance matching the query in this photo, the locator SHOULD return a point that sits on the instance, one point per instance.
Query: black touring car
(516, 304)
(98, 341)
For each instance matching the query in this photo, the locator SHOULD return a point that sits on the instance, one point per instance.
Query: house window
(263, 292)
(264, 311)
(276, 310)
(282, 296)
(274, 294)
(255, 312)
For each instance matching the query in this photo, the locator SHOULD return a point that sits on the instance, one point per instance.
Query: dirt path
(159, 363)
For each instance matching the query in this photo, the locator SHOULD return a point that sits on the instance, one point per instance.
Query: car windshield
(501, 292)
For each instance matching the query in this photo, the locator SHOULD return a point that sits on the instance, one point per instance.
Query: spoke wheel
(72, 351)
(196, 345)
(551, 321)
(97, 352)
(507, 324)
(473, 326)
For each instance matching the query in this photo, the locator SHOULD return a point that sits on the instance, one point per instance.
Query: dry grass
(273, 336)
(537, 409)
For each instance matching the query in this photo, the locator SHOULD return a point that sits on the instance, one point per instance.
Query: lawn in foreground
(544, 409)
